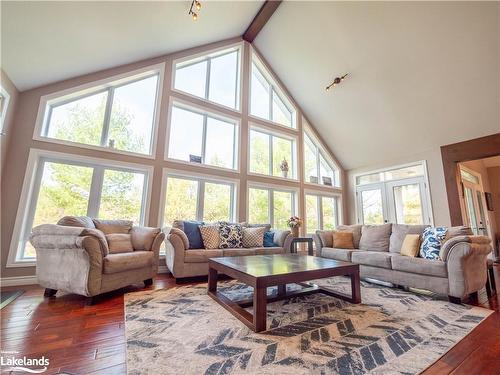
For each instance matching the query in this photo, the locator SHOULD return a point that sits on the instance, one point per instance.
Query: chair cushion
(343, 240)
(237, 252)
(432, 239)
(114, 263)
(411, 245)
(269, 250)
(253, 237)
(230, 235)
(372, 258)
(337, 254)
(419, 266)
(201, 255)
(119, 243)
(113, 226)
(375, 237)
(356, 232)
(143, 237)
(210, 236)
(269, 240)
(77, 221)
(399, 231)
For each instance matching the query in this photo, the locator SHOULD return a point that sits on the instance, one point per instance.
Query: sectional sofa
(459, 271)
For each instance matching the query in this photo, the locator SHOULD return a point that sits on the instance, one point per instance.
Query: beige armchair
(90, 257)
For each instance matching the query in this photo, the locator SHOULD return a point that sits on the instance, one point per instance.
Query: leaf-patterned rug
(183, 331)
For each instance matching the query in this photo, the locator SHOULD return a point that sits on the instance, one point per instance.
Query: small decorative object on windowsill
(313, 179)
(284, 168)
(327, 181)
(195, 159)
(294, 224)
(111, 143)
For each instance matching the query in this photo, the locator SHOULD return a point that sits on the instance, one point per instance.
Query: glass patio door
(372, 204)
(474, 207)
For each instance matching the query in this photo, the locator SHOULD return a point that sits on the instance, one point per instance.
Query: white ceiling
(44, 42)
(421, 75)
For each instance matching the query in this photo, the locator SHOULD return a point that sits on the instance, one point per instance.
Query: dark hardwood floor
(80, 339)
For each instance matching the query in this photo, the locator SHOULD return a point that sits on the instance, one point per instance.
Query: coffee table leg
(259, 309)
(212, 280)
(355, 287)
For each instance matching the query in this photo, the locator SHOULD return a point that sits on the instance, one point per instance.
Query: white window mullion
(107, 118)
(271, 159)
(204, 139)
(200, 200)
(320, 212)
(207, 79)
(271, 207)
(95, 192)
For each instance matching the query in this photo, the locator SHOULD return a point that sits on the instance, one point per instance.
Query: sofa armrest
(280, 237)
(176, 244)
(322, 238)
(466, 262)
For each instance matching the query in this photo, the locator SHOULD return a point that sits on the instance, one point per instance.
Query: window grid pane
(258, 206)
(217, 202)
(283, 208)
(181, 200)
(312, 214)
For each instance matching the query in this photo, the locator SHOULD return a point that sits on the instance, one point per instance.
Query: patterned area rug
(183, 331)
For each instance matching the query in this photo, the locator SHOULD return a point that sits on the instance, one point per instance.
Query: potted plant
(294, 224)
(284, 168)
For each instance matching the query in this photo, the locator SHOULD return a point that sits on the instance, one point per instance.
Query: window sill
(313, 185)
(277, 178)
(96, 148)
(21, 264)
(201, 165)
(183, 95)
(256, 119)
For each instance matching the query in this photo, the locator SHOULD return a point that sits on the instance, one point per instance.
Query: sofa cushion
(326, 237)
(432, 240)
(143, 237)
(269, 240)
(399, 231)
(230, 235)
(113, 226)
(460, 230)
(356, 232)
(419, 265)
(192, 230)
(411, 245)
(210, 236)
(114, 263)
(77, 221)
(372, 258)
(201, 255)
(337, 254)
(253, 237)
(238, 252)
(375, 237)
(343, 240)
(119, 243)
(269, 250)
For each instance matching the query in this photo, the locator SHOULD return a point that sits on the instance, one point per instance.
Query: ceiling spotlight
(336, 81)
(197, 6)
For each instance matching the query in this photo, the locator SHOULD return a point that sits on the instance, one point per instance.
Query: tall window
(200, 137)
(321, 212)
(269, 151)
(193, 198)
(397, 195)
(79, 188)
(269, 205)
(267, 100)
(4, 105)
(119, 116)
(214, 77)
(317, 169)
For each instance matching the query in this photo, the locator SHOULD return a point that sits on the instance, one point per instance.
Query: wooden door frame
(455, 153)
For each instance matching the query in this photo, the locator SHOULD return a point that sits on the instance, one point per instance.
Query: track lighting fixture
(336, 81)
(195, 6)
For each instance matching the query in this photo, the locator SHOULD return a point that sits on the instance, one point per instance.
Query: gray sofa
(184, 262)
(460, 270)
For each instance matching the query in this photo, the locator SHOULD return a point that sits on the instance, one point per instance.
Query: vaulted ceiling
(421, 74)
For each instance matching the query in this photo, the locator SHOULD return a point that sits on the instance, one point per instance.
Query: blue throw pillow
(431, 242)
(193, 233)
(269, 240)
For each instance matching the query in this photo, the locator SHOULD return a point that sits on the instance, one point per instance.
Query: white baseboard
(18, 280)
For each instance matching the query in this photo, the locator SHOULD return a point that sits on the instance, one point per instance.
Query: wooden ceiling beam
(260, 20)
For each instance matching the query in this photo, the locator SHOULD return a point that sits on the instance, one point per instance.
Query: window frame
(319, 152)
(275, 88)
(271, 134)
(31, 187)
(208, 55)
(319, 195)
(5, 110)
(270, 191)
(201, 179)
(49, 101)
(188, 106)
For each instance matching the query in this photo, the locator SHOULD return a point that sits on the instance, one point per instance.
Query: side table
(297, 240)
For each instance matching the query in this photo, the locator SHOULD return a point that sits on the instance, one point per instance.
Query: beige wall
(436, 183)
(21, 141)
(494, 180)
(9, 119)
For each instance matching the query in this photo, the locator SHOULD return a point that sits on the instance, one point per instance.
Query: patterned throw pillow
(432, 239)
(253, 237)
(230, 235)
(269, 240)
(210, 235)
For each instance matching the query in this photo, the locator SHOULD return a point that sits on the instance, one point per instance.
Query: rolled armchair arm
(155, 247)
(283, 238)
(322, 238)
(466, 259)
(176, 243)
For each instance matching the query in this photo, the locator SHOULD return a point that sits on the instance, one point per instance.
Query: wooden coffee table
(263, 271)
